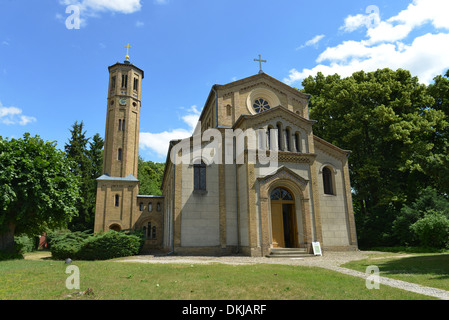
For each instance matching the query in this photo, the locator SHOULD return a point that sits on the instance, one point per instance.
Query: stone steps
(287, 253)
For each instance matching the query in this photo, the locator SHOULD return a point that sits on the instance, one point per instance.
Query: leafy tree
(437, 166)
(432, 230)
(88, 168)
(38, 189)
(150, 175)
(386, 118)
(76, 150)
(429, 203)
(95, 155)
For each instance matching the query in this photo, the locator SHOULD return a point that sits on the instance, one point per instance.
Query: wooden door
(277, 225)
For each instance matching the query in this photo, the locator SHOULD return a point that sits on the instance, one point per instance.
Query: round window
(261, 105)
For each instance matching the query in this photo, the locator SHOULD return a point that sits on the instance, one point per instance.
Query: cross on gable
(260, 63)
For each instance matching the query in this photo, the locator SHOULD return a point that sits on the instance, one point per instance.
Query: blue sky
(52, 76)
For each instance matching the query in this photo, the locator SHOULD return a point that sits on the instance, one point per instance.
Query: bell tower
(118, 187)
(121, 148)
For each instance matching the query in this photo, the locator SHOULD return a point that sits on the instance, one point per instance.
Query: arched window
(124, 81)
(158, 207)
(298, 142)
(150, 231)
(279, 194)
(150, 206)
(141, 206)
(153, 233)
(117, 200)
(229, 110)
(287, 139)
(199, 173)
(269, 135)
(327, 181)
(261, 136)
(279, 133)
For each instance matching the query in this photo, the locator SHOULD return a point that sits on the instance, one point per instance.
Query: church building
(228, 207)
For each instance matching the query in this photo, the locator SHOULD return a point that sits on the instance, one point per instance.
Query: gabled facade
(240, 209)
(226, 207)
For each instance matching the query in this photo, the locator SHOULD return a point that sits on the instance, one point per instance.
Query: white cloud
(92, 6)
(370, 20)
(159, 142)
(423, 11)
(139, 24)
(387, 44)
(13, 115)
(312, 42)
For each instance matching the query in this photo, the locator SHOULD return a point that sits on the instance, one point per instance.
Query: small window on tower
(113, 83)
(136, 84)
(123, 125)
(119, 124)
(119, 156)
(117, 200)
(124, 81)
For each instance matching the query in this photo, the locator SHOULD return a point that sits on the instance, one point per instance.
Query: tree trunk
(7, 239)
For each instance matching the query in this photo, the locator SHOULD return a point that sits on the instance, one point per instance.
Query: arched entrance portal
(283, 219)
(115, 227)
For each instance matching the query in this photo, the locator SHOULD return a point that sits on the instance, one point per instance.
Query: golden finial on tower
(127, 51)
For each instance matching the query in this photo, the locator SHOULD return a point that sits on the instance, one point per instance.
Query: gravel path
(331, 261)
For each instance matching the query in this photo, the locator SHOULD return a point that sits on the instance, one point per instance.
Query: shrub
(101, 246)
(12, 254)
(25, 243)
(66, 244)
(428, 201)
(432, 230)
(109, 245)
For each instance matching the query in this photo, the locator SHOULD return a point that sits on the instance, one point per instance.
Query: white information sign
(316, 248)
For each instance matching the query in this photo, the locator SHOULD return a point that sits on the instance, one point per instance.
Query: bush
(66, 244)
(109, 245)
(101, 246)
(25, 243)
(428, 201)
(432, 230)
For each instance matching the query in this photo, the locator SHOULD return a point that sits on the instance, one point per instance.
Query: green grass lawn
(45, 279)
(431, 270)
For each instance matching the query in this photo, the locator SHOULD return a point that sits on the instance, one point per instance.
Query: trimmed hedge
(65, 244)
(109, 245)
(99, 246)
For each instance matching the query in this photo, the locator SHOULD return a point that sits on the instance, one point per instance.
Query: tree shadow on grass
(436, 266)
